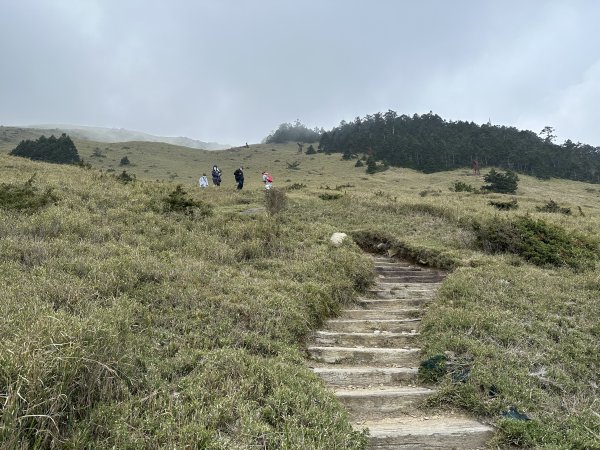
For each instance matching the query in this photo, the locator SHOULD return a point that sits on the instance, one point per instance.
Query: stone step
(376, 404)
(415, 277)
(409, 286)
(373, 339)
(444, 432)
(404, 313)
(392, 303)
(397, 268)
(366, 326)
(399, 292)
(398, 357)
(366, 376)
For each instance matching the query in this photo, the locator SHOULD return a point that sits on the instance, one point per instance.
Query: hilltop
(131, 324)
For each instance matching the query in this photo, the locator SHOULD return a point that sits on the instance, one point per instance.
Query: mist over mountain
(111, 135)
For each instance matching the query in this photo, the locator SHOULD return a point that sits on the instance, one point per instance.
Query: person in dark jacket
(239, 177)
(216, 176)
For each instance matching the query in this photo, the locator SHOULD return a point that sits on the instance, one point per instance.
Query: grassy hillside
(131, 326)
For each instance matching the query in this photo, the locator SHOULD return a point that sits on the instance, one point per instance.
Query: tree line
(59, 150)
(430, 144)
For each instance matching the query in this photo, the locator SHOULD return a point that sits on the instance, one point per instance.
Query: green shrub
(502, 183)
(459, 186)
(359, 163)
(178, 201)
(311, 150)
(553, 207)
(24, 196)
(373, 167)
(505, 206)
(327, 196)
(538, 242)
(125, 178)
(124, 161)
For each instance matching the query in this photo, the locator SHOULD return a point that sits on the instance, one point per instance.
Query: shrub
(275, 200)
(373, 167)
(24, 196)
(55, 150)
(124, 161)
(537, 242)
(359, 163)
(505, 206)
(125, 178)
(459, 186)
(553, 207)
(178, 201)
(311, 150)
(502, 183)
(294, 165)
(330, 196)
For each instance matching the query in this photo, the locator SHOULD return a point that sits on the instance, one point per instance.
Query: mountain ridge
(113, 135)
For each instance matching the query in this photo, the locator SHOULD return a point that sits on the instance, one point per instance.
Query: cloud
(233, 70)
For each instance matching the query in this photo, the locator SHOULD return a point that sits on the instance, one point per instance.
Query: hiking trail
(368, 357)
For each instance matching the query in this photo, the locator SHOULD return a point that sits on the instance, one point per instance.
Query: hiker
(239, 177)
(475, 166)
(203, 181)
(267, 179)
(216, 176)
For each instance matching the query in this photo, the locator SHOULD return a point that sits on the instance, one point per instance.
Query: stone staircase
(369, 358)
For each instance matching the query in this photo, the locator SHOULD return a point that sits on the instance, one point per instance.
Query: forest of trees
(293, 132)
(60, 150)
(430, 144)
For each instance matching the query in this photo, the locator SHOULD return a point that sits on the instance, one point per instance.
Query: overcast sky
(232, 70)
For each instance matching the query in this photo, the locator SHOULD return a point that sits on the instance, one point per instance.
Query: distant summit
(111, 135)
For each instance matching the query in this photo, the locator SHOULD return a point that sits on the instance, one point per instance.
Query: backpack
(269, 179)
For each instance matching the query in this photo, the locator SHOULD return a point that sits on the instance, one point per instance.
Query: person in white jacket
(203, 181)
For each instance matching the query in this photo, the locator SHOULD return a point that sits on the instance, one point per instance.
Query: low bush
(24, 196)
(327, 196)
(178, 201)
(538, 242)
(505, 206)
(125, 177)
(460, 186)
(553, 207)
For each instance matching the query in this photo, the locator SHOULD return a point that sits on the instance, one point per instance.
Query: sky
(231, 71)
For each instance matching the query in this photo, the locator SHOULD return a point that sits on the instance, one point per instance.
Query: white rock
(337, 238)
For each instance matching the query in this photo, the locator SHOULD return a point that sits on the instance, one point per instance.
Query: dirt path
(368, 357)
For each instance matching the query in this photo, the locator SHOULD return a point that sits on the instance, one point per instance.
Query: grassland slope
(147, 328)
